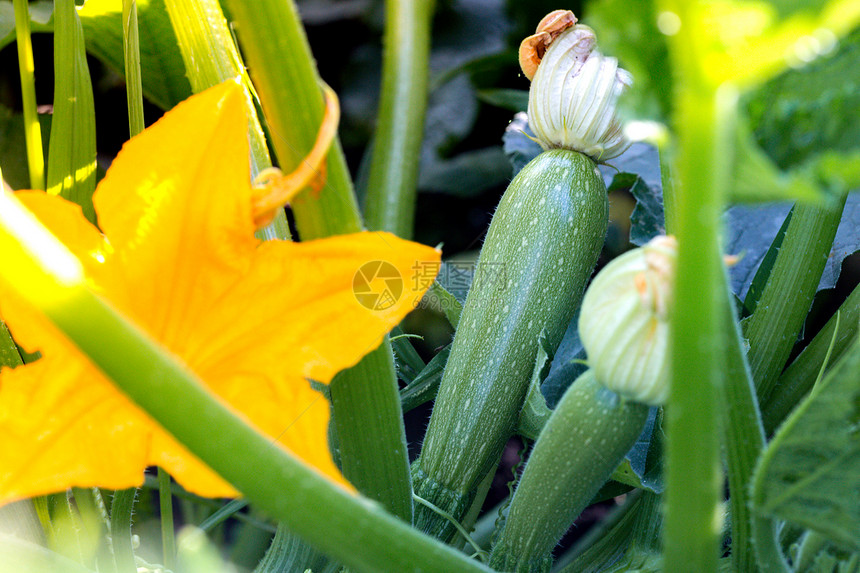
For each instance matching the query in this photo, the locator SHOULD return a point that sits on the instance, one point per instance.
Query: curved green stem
(773, 328)
(289, 553)
(26, 68)
(120, 530)
(391, 186)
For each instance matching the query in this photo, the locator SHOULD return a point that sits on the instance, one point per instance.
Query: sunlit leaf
(165, 82)
(72, 148)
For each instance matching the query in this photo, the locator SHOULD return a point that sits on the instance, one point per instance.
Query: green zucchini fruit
(540, 251)
(584, 440)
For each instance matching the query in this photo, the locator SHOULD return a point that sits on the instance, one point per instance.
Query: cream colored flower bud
(624, 321)
(573, 97)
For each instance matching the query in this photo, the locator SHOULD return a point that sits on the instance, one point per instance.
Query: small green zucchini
(540, 250)
(584, 440)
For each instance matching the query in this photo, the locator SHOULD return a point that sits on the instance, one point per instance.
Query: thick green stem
(693, 476)
(364, 397)
(773, 328)
(131, 54)
(798, 379)
(391, 187)
(165, 505)
(744, 440)
(372, 446)
(120, 530)
(26, 68)
(357, 533)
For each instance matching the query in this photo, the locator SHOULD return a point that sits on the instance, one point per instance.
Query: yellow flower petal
(253, 321)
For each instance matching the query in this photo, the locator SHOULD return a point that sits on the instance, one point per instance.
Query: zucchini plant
(540, 250)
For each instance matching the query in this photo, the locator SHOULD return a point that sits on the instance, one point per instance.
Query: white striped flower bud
(624, 321)
(573, 96)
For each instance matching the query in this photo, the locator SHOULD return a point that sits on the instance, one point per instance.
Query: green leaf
(642, 466)
(567, 366)
(438, 298)
(164, 81)
(757, 178)
(759, 281)
(751, 230)
(807, 111)
(514, 100)
(647, 219)
(9, 355)
(465, 175)
(809, 473)
(407, 360)
(162, 69)
(72, 150)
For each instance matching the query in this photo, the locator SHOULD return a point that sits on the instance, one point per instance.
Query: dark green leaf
(456, 278)
(809, 473)
(407, 360)
(567, 365)
(9, 355)
(467, 174)
(647, 219)
(763, 273)
(750, 231)
(163, 72)
(426, 384)
(513, 100)
(440, 300)
(756, 178)
(642, 467)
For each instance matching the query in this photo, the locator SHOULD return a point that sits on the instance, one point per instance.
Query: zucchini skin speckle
(540, 251)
